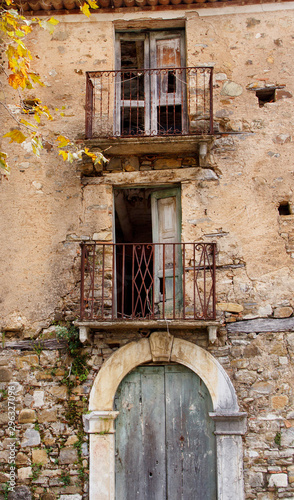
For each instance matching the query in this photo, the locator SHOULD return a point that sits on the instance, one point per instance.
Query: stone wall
(52, 449)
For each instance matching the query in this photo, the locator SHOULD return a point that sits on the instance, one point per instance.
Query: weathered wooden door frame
(230, 424)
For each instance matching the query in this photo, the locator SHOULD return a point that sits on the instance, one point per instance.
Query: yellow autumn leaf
(63, 141)
(28, 124)
(93, 4)
(85, 9)
(64, 155)
(15, 136)
(53, 21)
(36, 79)
(92, 155)
(37, 118)
(16, 81)
(19, 33)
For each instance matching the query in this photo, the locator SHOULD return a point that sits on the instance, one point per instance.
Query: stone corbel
(212, 333)
(100, 422)
(84, 333)
(203, 151)
(161, 344)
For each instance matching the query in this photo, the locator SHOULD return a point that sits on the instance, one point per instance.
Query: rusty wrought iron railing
(134, 281)
(149, 102)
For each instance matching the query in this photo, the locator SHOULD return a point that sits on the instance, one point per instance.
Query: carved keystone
(161, 344)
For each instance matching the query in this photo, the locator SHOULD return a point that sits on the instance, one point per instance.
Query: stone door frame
(230, 423)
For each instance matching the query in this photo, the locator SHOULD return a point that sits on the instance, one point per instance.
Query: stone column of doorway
(229, 429)
(100, 426)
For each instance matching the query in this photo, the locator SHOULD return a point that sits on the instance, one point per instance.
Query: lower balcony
(147, 283)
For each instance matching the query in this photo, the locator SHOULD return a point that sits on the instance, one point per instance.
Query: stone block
(279, 402)
(4, 477)
(287, 437)
(3, 417)
(103, 236)
(26, 361)
(48, 357)
(256, 479)
(278, 480)
(47, 416)
(114, 164)
(31, 438)
(5, 375)
(283, 312)
(282, 139)
(163, 163)
(131, 164)
(265, 311)
(48, 496)
(229, 307)
(291, 474)
(59, 392)
(71, 440)
(20, 493)
(278, 348)
(48, 439)
(44, 376)
(22, 459)
(263, 388)
(38, 398)
(246, 376)
(39, 456)
(252, 350)
(68, 455)
(24, 473)
(231, 89)
(27, 416)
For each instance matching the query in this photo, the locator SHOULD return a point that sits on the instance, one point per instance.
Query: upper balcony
(149, 103)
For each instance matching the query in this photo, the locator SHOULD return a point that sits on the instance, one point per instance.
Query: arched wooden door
(165, 444)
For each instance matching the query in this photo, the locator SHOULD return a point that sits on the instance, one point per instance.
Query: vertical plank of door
(190, 442)
(129, 450)
(153, 421)
(140, 436)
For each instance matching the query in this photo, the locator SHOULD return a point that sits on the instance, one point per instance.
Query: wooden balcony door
(166, 229)
(165, 443)
(168, 88)
(150, 101)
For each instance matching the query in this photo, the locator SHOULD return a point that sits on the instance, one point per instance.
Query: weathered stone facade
(232, 195)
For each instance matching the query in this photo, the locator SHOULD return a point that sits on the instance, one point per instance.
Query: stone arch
(230, 424)
(163, 347)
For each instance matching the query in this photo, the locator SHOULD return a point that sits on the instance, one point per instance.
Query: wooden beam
(262, 325)
(33, 344)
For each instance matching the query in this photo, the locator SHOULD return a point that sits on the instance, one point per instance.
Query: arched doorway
(230, 423)
(164, 441)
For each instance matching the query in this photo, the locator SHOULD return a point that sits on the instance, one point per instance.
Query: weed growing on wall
(76, 373)
(78, 367)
